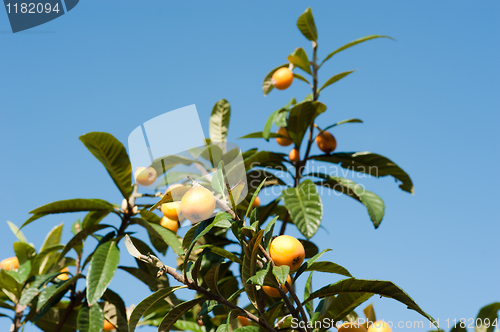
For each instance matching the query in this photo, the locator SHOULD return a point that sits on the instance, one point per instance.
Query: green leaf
(310, 261)
(299, 59)
(219, 121)
(52, 295)
(281, 273)
(72, 205)
(260, 276)
(218, 183)
(52, 318)
(93, 218)
(79, 237)
(221, 252)
(336, 308)
(23, 251)
(36, 283)
(22, 272)
(300, 118)
(17, 232)
(147, 303)
(53, 238)
(306, 25)
(297, 76)
(335, 78)
(487, 312)
(169, 237)
(370, 313)
(265, 158)
(255, 194)
(211, 278)
(152, 282)
(382, 288)
(184, 325)
(329, 267)
(268, 85)
(250, 328)
(249, 267)
(101, 270)
(354, 42)
(113, 155)
(266, 133)
(373, 203)
(268, 232)
(342, 122)
(260, 134)
(369, 163)
(33, 218)
(307, 292)
(306, 209)
(115, 311)
(309, 247)
(176, 313)
(90, 319)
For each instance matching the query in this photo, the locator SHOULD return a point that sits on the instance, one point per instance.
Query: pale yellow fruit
(172, 210)
(173, 225)
(198, 204)
(379, 326)
(145, 176)
(9, 264)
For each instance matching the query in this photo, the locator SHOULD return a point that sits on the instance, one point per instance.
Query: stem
(16, 322)
(75, 301)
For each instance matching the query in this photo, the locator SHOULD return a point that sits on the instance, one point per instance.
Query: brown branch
(75, 301)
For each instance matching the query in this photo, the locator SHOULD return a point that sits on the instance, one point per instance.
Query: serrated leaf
(219, 121)
(306, 25)
(260, 276)
(305, 207)
(373, 203)
(168, 322)
(369, 163)
(113, 155)
(147, 303)
(383, 288)
(101, 270)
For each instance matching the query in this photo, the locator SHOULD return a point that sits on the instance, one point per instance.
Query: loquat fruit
(172, 210)
(256, 202)
(281, 140)
(379, 326)
(145, 176)
(177, 190)
(351, 327)
(326, 142)
(108, 326)
(294, 155)
(198, 204)
(282, 78)
(273, 292)
(244, 321)
(287, 250)
(168, 223)
(64, 276)
(10, 264)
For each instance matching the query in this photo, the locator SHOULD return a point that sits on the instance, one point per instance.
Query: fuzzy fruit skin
(326, 142)
(108, 326)
(197, 204)
(64, 276)
(244, 321)
(287, 250)
(177, 190)
(294, 155)
(283, 141)
(379, 326)
(172, 210)
(170, 224)
(273, 292)
(145, 176)
(9, 264)
(348, 327)
(282, 78)
(256, 202)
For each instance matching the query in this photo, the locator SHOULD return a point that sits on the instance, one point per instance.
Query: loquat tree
(240, 269)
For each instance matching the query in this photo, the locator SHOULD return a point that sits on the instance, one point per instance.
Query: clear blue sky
(429, 101)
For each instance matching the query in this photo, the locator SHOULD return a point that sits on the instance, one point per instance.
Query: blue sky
(429, 101)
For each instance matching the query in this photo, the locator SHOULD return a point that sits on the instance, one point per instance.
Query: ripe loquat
(145, 176)
(326, 142)
(256, 202)
(9, 264)
(287, 250)
(379, 326)
(64, 276)
(244, 321)
(283, 141)
(273, 292)
(172, 210)
(108, 326)
(294, 155)
(177, 190)
(352, 327)
(168, 223)
(282, 78)
(197, 204)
